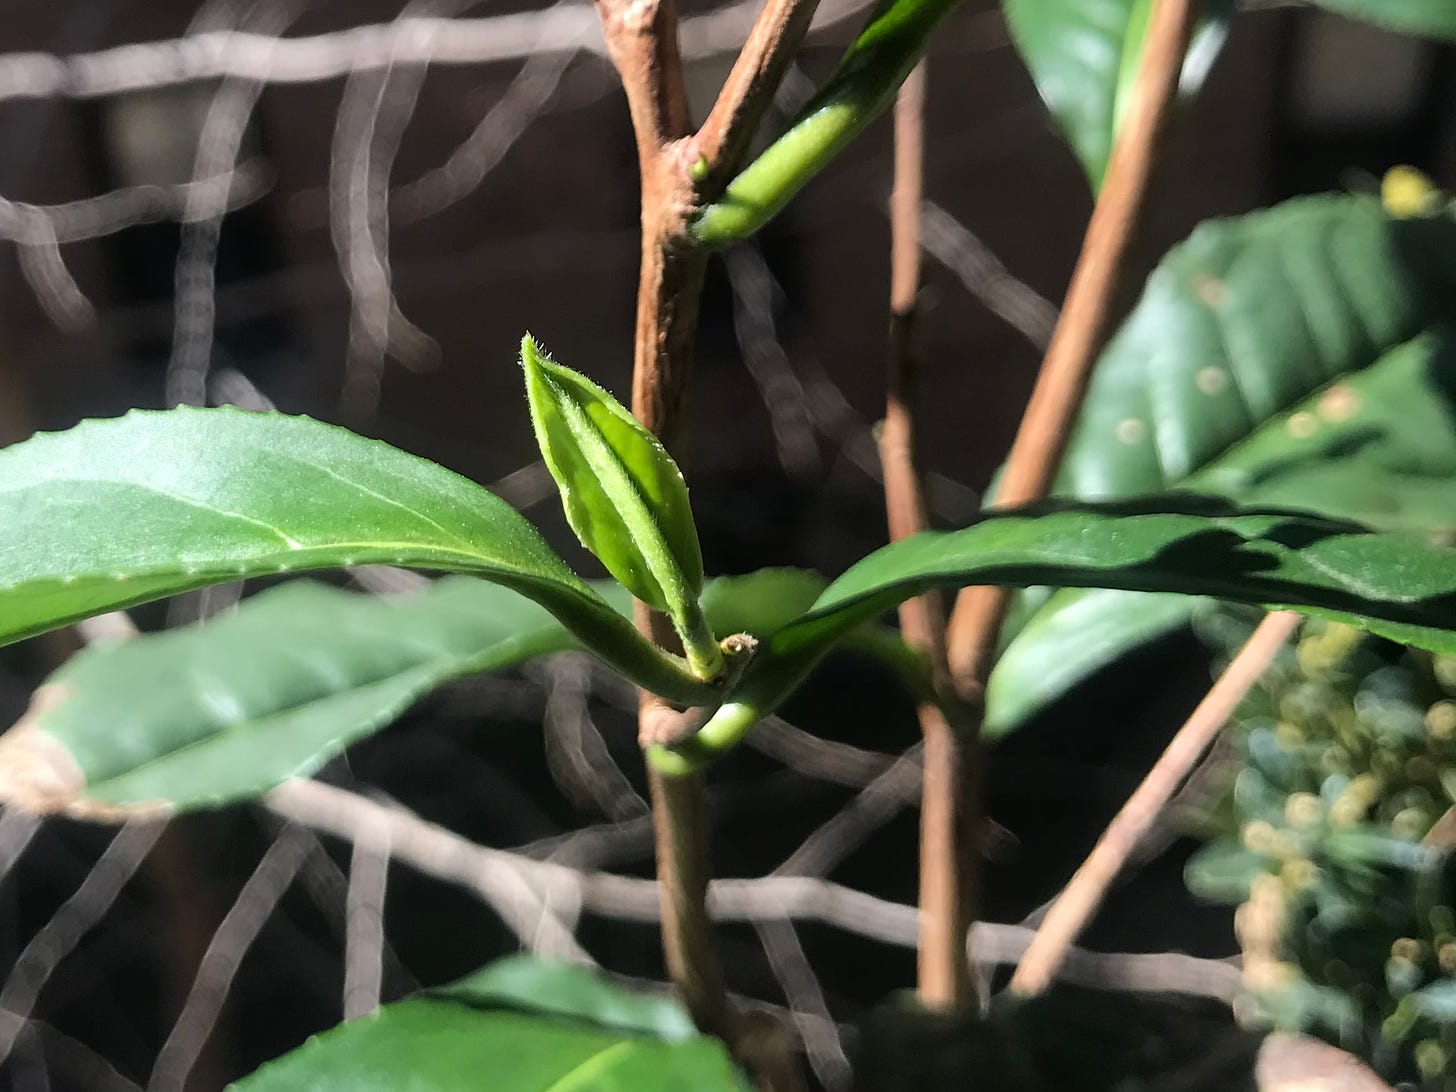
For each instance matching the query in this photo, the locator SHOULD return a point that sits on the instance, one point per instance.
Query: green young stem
(861, 88)
(704, 653)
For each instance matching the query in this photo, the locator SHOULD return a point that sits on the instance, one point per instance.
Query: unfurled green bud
(624, 496)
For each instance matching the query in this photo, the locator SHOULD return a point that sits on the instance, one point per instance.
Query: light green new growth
(624, 497)
(860, 89)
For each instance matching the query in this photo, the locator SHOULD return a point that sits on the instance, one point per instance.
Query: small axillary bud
(663, 725)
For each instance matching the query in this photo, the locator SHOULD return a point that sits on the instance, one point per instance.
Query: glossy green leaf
(1245, 319)
(1431, 18)
(624, 496)
(1378, 446)
(1076, 633)
(117, 512)
(575, 1033)
(225, 710)
(1389, 584)
(1084, 56)
(1266, 362)
(859, 90)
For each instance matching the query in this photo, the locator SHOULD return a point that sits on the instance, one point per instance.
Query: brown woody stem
(641, 38)
(949, 809)
(1081, 328)
(1084, 893)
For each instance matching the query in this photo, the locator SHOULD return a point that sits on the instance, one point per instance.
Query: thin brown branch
(1084, 893)
(724, 137)
(679, 807)
(1080, 330)
(949, 793)
(642, 41)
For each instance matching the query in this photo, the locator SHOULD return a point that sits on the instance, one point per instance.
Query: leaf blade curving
(117, 512)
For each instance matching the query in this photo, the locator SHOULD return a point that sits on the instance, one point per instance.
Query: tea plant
(1247, 436)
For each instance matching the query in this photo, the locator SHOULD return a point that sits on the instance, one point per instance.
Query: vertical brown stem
(949, 807)
(679, 805)
(1042, 436)
(641, 37)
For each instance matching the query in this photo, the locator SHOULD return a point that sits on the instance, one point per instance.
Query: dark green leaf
(858, 91)
(1244, 320)
(1389, 584)
(484, 1033)
(226, 710)
(1378, 446)
(117, 512)
(1432, 18)
(1269, 361)
(1084, 58)
(1075, 634)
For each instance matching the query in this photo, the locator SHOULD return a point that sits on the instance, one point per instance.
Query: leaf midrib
(592, 1067)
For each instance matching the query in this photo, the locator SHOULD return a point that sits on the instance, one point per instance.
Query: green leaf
(1269, 361)
(624, 496)
(547, 988)
(1084, 56)
(117, 512)
(222, 711)
(1378, 446)
(1389, 584)
(1075, 634)
(1248, 317)
(858, 91)
(1431, 18)
(488, 1032)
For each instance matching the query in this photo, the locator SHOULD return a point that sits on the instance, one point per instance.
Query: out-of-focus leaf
(1077, 632)
(547, 988)
(1223, 871)
(858, 91)
(1431, 18)
(1084, 55)
(507, 1029)
(1274, 358)
(226, 710)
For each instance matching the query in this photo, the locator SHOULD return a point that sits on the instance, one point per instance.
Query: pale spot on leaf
(1130, 430)
(1339, 403)
(1302, 425)
(1208, 289)
(1211, 380)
